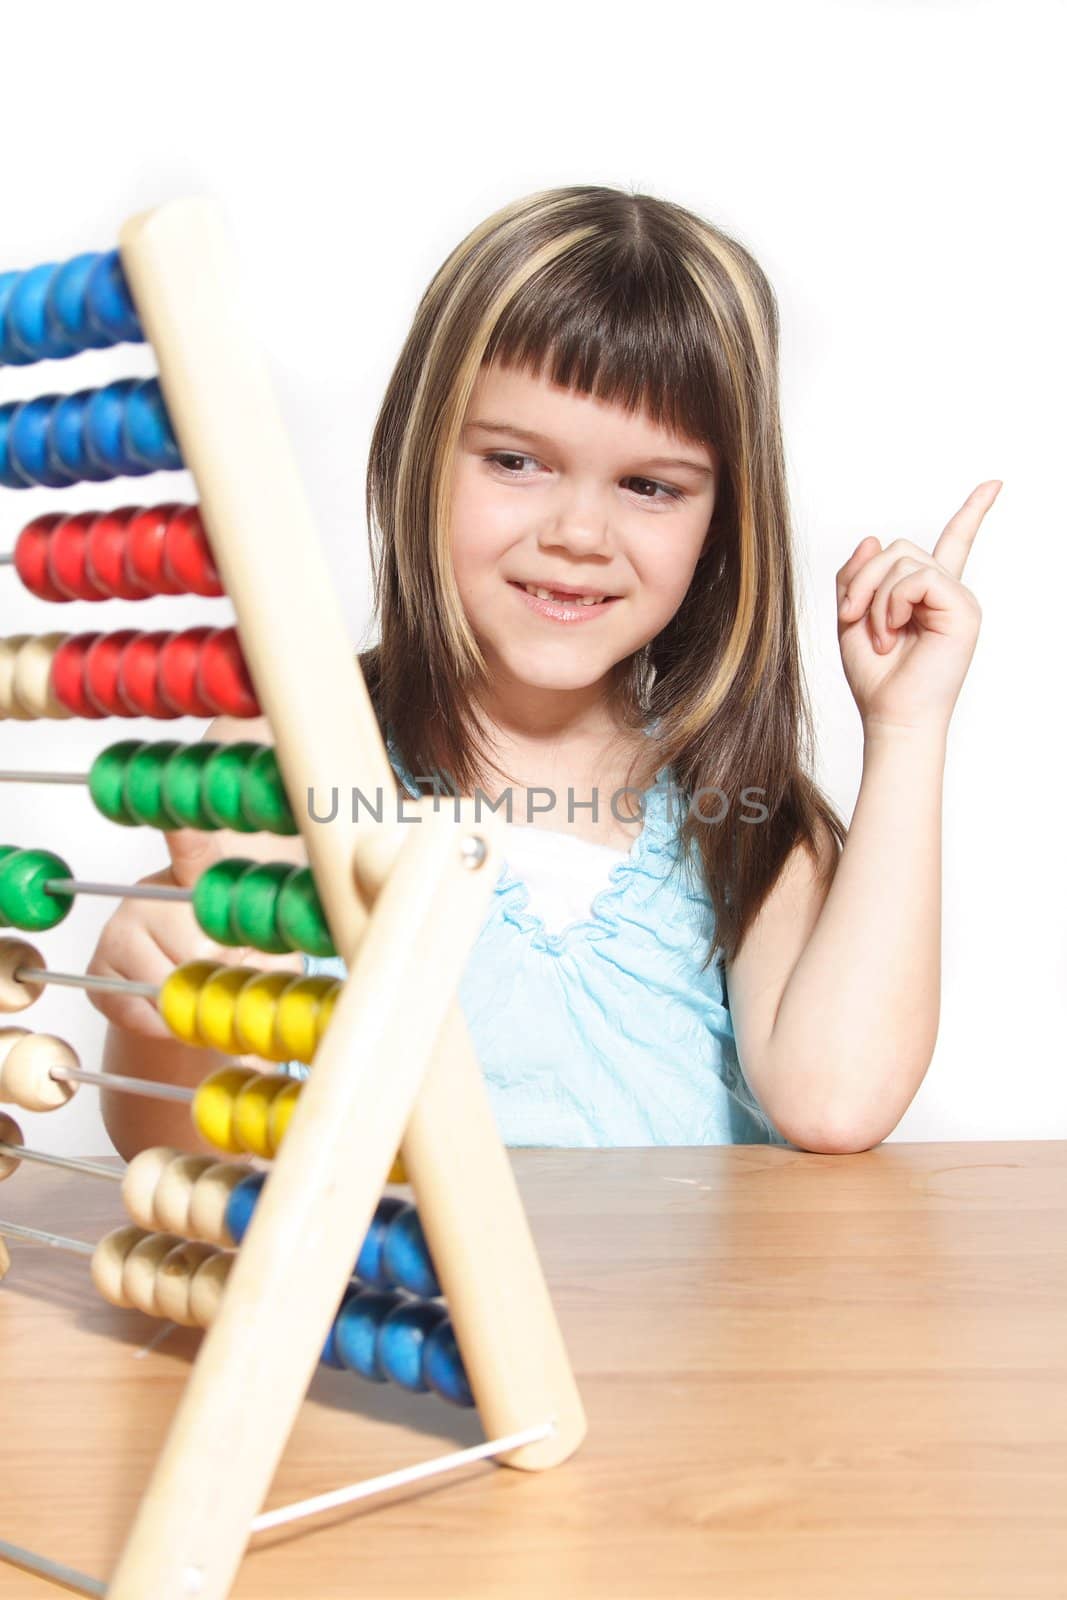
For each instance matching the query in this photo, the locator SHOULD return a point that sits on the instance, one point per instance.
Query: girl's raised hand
(907, 626)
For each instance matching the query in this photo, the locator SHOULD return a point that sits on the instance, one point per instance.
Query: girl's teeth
(562, 599)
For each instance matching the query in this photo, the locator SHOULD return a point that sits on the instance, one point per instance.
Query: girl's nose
(581, 523)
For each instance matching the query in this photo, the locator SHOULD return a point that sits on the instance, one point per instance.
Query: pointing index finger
(954, 545)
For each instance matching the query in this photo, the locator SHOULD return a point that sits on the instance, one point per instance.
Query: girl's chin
(508, 667)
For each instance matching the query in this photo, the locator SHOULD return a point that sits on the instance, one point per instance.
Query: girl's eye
(504, 459)
(669, 491)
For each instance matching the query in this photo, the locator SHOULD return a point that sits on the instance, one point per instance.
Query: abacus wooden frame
(380, 1077)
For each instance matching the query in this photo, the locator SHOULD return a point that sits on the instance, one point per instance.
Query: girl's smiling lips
(563, 588)
(562, 610)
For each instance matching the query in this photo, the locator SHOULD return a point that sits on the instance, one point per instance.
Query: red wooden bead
(179, 667)
(187, 557)
(139, 675)
(68, 674)
(31, 557)
(223, 679)
(105, 558)
(67, 558)
(103, 662)
(145, 537)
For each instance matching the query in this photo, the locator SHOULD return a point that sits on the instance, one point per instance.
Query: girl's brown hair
(636, 301)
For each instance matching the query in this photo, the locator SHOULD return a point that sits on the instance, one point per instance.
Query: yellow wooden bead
(397, 1173)
(10, 1133)
(281, 1113)
(322, 1020)
(18, 993)
(251, 1112)
(213, 1106)
(180, 996)
(217, 1007)
(256, 1014)
(296, 1024)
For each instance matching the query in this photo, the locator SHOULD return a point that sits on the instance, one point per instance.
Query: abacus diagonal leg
(296, 1258)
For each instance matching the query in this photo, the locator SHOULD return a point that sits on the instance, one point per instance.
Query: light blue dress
(606, 1033)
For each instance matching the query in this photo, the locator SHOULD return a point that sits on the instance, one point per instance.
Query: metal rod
(55, 1570)
(120, 891)
(392, 1480)
(44, 1158)
(86, 980)
(11, 776)
(7, 558)
(57, 1241)
(114, 1080)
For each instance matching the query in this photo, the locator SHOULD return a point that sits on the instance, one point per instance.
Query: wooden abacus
(394, 1069)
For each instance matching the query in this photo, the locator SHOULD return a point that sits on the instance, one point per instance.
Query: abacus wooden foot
(394, 1066)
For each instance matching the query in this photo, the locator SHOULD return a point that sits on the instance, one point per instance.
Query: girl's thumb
(191, 853)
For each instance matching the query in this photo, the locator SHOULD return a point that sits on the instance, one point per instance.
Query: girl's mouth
(570, 610)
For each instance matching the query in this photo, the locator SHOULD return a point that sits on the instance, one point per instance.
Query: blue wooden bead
(148, 437)
(105, 420)
(356, 1332)
(242, 1203)
(27, 444)
(406, 1255)
(442, 1366)
(66, 439)
(27, 317)
(10, 355)
(108, 303)
(65, 306)
(10, 476)
(402, 1338)
(330, 1356)
(370, 1266)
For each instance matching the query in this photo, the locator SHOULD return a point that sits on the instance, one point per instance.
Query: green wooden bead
(143, 789)
(254, 908)
(107, 776)
(266, 805)
(5, 851)
(223, 783)
(213, 898)
(182, 788)
(24, 901)
(300, 919)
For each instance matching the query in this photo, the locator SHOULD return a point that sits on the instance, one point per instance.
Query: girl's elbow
(839, 1142)
(834, 1134)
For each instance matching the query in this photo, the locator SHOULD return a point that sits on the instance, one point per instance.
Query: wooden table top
(805, 1376)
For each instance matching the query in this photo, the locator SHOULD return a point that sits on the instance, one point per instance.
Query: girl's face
(555, 488)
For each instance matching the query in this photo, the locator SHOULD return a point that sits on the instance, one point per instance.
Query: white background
(897, 170)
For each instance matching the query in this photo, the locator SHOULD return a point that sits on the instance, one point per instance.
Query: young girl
(585, 590)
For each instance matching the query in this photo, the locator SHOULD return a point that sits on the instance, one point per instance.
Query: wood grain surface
(805, 1376)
